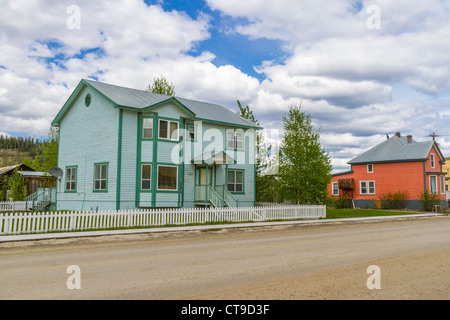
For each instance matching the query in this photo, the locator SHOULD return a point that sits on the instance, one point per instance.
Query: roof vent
(409, 138)
(398, 134)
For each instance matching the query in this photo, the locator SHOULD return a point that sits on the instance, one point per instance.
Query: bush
(394, 200)
(428, 200)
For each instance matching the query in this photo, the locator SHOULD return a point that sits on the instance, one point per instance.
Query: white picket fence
(13, 205)
(41, 222)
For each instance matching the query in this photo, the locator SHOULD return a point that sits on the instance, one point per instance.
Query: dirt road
(284, 262)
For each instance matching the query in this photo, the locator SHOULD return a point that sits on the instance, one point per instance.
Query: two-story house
(398, 164)
(122, 148)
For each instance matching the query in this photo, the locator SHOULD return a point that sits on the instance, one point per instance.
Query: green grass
(358, 213)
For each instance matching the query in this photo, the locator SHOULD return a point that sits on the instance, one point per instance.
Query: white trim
(367, 187)
(142, 173)
(168, 130)
(442, 182)
(429, 184)
(157, 177)
(337, 188)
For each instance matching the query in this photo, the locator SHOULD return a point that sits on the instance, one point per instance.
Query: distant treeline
(29, 145)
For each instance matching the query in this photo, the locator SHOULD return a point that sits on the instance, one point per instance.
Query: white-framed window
(442, 184)
(191, 132)
(71, 179)
(101, 177)
(168, 129)
(370, 168)
(147, 128)
(236, 181)
(146, 177)
(432, 162)
(235, 139)
(167, 177)
(367, 187)
(335, 189)
(433, 184)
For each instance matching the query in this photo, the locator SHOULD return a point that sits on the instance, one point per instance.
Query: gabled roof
(21, 166)
(141, 100)
(214, 158)
(397, 149)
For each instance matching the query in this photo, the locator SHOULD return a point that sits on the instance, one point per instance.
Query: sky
(361, 69)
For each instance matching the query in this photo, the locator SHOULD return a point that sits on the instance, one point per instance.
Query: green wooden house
(122, 148)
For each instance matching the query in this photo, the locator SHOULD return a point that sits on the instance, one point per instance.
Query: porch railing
(219, 196)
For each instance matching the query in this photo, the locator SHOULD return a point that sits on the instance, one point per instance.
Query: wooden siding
(88, 135)
(394, 177)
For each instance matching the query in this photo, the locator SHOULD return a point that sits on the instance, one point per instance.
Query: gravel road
(317, 261)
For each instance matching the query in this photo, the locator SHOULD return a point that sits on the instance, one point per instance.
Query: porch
(211, 188)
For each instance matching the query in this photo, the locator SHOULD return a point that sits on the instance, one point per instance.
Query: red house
(397, 164)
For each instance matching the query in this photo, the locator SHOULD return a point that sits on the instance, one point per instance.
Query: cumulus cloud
(356, 82)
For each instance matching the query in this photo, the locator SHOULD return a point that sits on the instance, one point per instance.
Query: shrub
(394, 200)
(428, 200)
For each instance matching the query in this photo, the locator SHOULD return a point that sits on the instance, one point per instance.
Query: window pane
(72, 185)
(231, 187)
(239, 177)
(97, 184)
(104, 168)
(146, 170)
(145, 185)
(173, 130)
(103, 184)
(148, 128)
(239, 187)
(191, 130)
(167, 178)
(433, 184)
(231, 176)
(73, 173)
(97, 172)
(148, 133)
(68, 186)
(163, 129)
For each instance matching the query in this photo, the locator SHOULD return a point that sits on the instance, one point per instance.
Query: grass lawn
(356, 213)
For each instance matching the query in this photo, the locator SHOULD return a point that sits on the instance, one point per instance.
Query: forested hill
(38, 154)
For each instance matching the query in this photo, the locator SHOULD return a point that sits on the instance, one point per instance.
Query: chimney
(409, 138)
(398, 134)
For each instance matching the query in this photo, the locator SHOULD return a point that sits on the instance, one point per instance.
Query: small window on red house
(432, 159)
(370, 168)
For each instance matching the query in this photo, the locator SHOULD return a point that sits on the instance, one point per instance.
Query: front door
(204, 178)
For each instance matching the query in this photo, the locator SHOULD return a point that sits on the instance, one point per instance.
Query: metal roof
(397, 149)
(141, 99)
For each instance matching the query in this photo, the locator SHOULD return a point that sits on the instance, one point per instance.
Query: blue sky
(359, 80)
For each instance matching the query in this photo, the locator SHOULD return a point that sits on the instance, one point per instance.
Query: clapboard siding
(88, 135)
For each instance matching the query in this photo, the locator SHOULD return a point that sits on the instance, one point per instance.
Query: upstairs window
(191, 132)
(235, 140)
(370, 168)
(432, 160)
(147, 128)
(168, 130)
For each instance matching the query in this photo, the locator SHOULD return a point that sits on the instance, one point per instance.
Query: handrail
(229, 198)
(214, 198)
